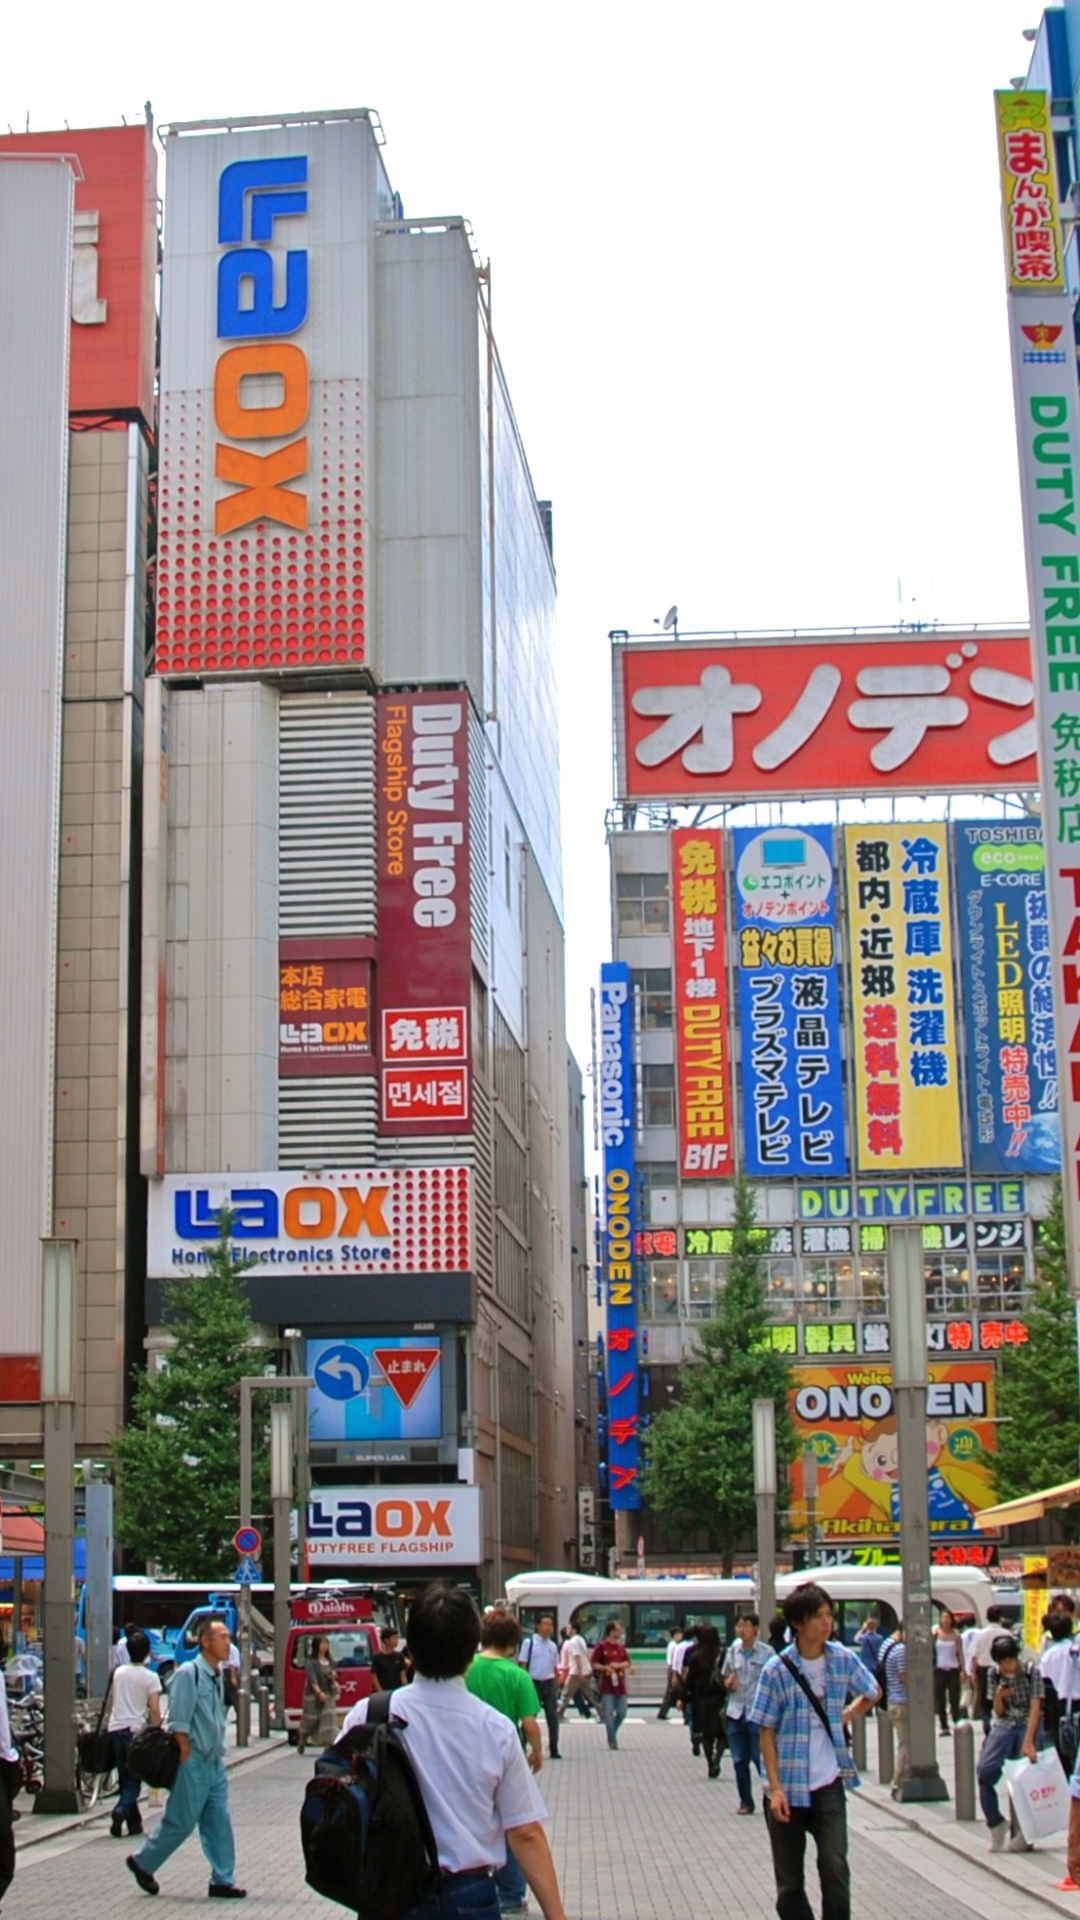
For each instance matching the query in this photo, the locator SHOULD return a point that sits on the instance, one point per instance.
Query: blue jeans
(465, 1896)
(127, 1805)
(744, 1739)
(510, 1882)
(200, 1799)
(825, 1820)
(613, 1707)
(1003, 1742)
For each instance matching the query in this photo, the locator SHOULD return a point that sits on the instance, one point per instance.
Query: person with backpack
(706, 1693)
(1015, 1692)
(467, 1762)
(496, 1677)
(803, 1708)
(136, 1703)
(200, 1797)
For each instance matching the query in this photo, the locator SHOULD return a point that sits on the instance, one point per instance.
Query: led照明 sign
(619, 1289)
(396, 1220)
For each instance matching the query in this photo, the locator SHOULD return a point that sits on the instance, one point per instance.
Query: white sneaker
(1017, 1844)
(998, 1836)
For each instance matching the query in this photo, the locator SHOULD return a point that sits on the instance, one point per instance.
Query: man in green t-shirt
(496, 1678)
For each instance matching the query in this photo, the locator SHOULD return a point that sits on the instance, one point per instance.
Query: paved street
(641, 1834)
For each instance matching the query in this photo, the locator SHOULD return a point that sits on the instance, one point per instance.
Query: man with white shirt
(472, 1772)
(744, 1662)
(674, 1655)
(578, 1685)
(540, 1657)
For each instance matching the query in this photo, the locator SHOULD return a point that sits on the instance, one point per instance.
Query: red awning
(20, 1534)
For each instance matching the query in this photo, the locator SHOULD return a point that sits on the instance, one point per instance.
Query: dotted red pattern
(427, 1210)
(265, 598)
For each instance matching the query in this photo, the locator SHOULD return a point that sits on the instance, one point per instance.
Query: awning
(1033, 1506)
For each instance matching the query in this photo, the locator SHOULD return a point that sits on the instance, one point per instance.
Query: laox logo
(391, 1519)
(306, 1213)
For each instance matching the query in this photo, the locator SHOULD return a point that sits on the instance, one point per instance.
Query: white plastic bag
(1040, 1795)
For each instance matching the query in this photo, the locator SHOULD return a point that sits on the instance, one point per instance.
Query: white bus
(649, 1610)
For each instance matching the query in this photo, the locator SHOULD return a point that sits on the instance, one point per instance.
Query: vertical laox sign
(1043, 345)
(424, 984)
(253, 195)
(619, 1288)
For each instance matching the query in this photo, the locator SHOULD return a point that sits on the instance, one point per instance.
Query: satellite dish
(671, 619)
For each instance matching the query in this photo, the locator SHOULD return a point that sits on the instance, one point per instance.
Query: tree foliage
(1038, 1441)
(178, 1462)
(700, 1452)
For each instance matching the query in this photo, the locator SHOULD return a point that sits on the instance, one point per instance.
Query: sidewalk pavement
(1033, 1873)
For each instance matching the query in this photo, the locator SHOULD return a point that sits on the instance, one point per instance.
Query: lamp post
(250, 1384)
(765, 1495)
(281, 1493)
(58, 1794)
(907, 1321)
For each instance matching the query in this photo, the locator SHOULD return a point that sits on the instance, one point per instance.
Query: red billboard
(324, 1008)
(706, 1123)
(780, 718)
(113, 266)
(425, 935)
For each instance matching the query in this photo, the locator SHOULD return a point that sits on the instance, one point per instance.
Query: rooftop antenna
(670, 621)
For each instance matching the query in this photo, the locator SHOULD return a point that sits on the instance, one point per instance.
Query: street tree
(700, 1452)
(1038, 1403)
(177, 1463)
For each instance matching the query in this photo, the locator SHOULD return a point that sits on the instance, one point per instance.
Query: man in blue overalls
(200, 1797)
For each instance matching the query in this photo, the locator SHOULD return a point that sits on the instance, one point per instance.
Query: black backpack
(364, 1829)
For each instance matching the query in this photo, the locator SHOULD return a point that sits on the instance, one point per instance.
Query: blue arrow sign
(247, 1574)
(342, 1373)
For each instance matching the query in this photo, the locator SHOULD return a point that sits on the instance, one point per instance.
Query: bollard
(964, 1763)
(885, 1753)
(858, 1742)
(264, 1711)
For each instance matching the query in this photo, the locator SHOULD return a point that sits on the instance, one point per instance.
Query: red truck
(350, 1618)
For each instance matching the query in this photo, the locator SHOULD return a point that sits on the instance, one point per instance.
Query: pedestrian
(612, 1662)
(390, 1667)
(673, 1664)
(800, 1708)
(1059, 1671)
(471, 1770)
(540, 1657)
(744, 1663)
(981, 1660)
(230, 1678)
(948, 1657)
(578, 1685)
(895, 1665)
(10, 1782)
(495, 1676)
(703, 1684)
(1015, 1692)
(200, 1795)
(868, 1642)
(1071, 1882)
(968, 1636)
(136, 1703)
(778, 1633)
(318, 1709)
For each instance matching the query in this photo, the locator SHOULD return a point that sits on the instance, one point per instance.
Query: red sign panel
(706, 1128)
(425, 938)
(912, 714)
(114, 264)
(407, 1368)
(324, 1008)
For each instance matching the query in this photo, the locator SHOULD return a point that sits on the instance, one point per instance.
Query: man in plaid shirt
(1015, 1692)
(806, 1761)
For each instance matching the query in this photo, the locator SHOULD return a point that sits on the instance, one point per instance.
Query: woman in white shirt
(136, 1703)
(948, 1656)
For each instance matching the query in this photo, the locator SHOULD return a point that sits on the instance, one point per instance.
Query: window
(653, 1624)
(658, 1086)
(656, 1000)
(1002, 1282)
(350, 1647)
(662, 1290)
(656, 1173)
(592, 1617)
(948, 1282)
(642, 904)
(706, 1278)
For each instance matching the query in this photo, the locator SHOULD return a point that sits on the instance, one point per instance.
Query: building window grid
(658, 1094)
(657, 998)
(642, 904)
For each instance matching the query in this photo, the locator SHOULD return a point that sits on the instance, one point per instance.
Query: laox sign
(306, 1213)
(392, 1518)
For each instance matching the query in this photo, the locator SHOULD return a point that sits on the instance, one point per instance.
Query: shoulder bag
(93, 1744)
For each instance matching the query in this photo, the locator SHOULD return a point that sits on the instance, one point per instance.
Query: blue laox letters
(254, 1211)
(350, 1521)
(245, 304)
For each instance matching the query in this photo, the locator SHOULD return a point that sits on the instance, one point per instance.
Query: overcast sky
(747, 288)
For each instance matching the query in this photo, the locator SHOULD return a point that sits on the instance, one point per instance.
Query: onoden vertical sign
(1043, 346)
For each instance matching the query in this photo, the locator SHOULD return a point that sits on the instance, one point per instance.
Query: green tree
(1038, 1441)
(700, 1452)
(178, 1462)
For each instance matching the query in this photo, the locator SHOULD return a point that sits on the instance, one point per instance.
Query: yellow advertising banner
(903, 1004)
(1029, 194)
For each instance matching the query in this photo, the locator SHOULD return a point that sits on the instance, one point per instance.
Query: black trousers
(947, 1692)
(549, 1700)
(10, 1781)
(825, 1822)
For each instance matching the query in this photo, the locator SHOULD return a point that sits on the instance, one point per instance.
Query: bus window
(851, 1616)
(592, 1617)
(653, 1624)
(719, 1617)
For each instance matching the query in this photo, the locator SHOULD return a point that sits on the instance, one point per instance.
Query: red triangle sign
(407, 1368)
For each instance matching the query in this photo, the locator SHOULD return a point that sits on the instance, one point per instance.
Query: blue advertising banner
(1008, 997)
(619, 1288)
(789, 1002)
(385, 1387)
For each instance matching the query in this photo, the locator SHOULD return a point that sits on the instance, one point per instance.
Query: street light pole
(765, 1495)
(907, 1321)
(292, 1384)
(58, 1795)
(281, 1492)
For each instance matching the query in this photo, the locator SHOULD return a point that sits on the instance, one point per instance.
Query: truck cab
(348, 1617)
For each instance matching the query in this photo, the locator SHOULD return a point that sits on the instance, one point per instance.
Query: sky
(747, 286)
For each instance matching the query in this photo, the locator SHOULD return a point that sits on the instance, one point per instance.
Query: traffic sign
(247, 1574)
(342, 1372)
(248, 1542)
